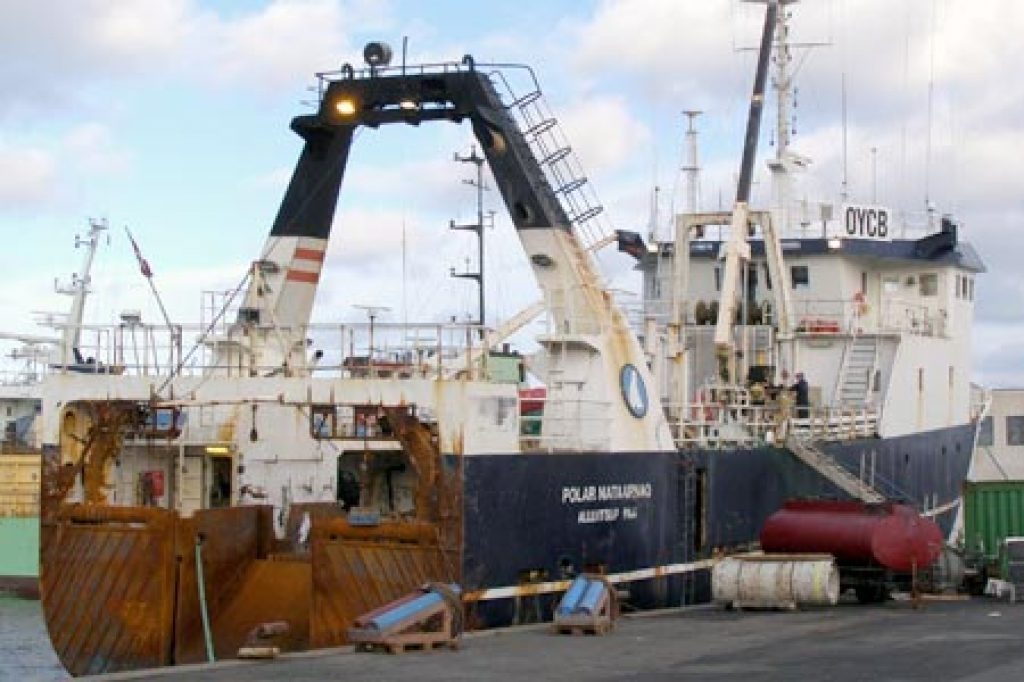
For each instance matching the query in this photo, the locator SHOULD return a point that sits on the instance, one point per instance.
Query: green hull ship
(19, 523)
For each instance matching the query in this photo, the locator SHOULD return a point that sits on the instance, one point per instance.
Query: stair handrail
(844, 361)
(852, 485)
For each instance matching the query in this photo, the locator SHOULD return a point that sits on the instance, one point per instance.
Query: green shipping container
(993, 511)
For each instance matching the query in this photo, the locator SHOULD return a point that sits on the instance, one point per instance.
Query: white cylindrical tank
(768, 581)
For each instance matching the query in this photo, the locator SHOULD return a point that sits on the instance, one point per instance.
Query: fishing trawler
(289, 471)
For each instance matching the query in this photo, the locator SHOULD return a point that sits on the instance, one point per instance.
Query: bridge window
(1015, 430)
(351, 421)
(801, 276)
(718, 279)
(929, 283)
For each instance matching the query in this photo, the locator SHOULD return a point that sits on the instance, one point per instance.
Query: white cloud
(284, 41)
(27, 176)
(603, 132)
(91, 147)
(674, 49)
(53, 52)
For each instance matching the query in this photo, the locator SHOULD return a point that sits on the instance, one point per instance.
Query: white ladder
(858, 371)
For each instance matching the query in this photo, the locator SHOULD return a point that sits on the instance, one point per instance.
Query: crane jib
(757, 104)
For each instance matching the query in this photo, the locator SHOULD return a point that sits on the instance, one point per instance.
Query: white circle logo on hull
(634, 391)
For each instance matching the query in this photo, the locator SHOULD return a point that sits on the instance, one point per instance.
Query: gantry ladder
(561, 167)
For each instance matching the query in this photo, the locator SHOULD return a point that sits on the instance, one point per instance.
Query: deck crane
(736, 251)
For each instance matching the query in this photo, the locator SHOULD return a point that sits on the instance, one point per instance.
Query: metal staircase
(562, 168)
(859, 365)
(820, 461)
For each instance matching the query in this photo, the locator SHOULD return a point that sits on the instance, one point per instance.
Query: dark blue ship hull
(538, 517)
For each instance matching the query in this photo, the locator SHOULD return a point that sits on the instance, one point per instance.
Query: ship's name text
(578, 494)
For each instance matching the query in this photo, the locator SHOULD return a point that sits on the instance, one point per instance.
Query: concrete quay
(977, 640)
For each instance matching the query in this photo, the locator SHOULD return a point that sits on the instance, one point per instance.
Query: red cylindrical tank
(890, 535)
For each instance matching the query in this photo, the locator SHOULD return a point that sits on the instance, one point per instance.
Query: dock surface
(976, 640)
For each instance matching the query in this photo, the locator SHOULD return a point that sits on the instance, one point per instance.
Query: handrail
(721, 425)
(422, 349)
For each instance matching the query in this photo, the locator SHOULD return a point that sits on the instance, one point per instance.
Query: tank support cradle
(426, 619)
(588, 607)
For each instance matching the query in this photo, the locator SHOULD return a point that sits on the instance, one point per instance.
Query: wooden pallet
(395, 648)
(601, 628)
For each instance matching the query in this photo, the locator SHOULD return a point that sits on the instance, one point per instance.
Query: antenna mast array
(477, 227)
(786, 161)
(691, 169)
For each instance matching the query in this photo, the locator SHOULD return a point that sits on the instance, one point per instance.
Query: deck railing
(565, 425)
(358, 350)
(717, 425)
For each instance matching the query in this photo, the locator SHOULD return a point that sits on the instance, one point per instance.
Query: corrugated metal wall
(993, 511)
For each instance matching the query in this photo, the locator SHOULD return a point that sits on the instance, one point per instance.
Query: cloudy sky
(171, 117)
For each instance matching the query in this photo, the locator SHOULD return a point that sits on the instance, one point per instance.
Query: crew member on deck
(802, 398)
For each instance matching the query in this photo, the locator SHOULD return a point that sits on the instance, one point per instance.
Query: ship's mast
(477, 228)
(783, 84)
(691, 169)
(786, 161)
(78, 289)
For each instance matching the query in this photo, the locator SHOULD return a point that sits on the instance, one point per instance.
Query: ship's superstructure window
(891, 284)
(718, 279)
(350, 421)
(801, 276)
(929, 283)
(970, 290)
(1015, 430)
(986, 434)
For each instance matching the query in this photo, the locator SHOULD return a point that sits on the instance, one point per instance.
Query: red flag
(143, 264)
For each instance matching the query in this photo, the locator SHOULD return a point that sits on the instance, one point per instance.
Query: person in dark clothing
(802, 398)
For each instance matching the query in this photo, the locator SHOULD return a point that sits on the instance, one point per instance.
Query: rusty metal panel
(270, 590)
(107, 582)
(354, 575)
(230, 545)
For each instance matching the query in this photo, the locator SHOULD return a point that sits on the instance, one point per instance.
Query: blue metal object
(572, 595)
(364, 517)
(588, 603)
(400, 613)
